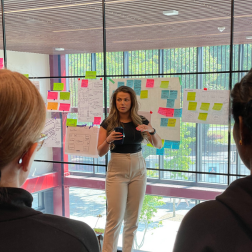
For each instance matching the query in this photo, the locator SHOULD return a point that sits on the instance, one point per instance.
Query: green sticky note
(192, 105)
(144, 94)
(64, 95)
(217, 106)
(191, 96)
(204, 106)
(90, 75)
(180, 80)
(164, 84)
(26, 75)
(71, 122)
(150, 145)
(58, 86)
(111, 80)
(202, 116)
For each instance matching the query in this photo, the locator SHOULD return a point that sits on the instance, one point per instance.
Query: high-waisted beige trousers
(125, 190)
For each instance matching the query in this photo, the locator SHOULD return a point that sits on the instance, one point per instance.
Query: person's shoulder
(104, 123)
(144, 120)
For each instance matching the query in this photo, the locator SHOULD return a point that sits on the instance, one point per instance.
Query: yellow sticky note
(217, 106)
(204, 106)
(144, 94)
(52, 105)
(203, 116)
(150, 145)
(164, 84)
(171, 122)
(71, 122)
(26, 75)
(191, 96)
(58, 86)
(192, 105)
(90, 75)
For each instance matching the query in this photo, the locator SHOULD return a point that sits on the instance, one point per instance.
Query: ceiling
(76, 25)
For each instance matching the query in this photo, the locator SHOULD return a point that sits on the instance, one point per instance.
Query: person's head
(242, 112)
(22, 118)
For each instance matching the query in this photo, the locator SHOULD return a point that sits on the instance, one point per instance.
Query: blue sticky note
(177, 112)
(130, 83)
(175, 145)
(137, 86)
(120, 83)
(160, 151)
(164, 122)
(165, 94)
(173, 94)
(168, 144)
(170, 103)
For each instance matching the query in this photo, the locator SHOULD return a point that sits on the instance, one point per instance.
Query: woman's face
(123, 102)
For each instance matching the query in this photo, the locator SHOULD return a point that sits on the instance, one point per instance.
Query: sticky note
(137, 86)
(84, 83)
(177, 112)
(180, 80)
(71, 122)
(173, 94)
(64, 95)
(192, 105)
(52, 105)
(120, 83)
(191, 96)
(111, 80)
(175, 145)
(144, 94)
(97, 120)
(169, 112)
(164, 84)
(130, 83)
(58, 86)
(204, 106)
(150, 83)
(26, 75)
(217, 106)
(165, 94)
(171, 122)
(168, 144)
(150, 145)
(203, 116)
(52, 95)
(64, 107)
(160, 152)
(170, 103)
(164, 122)
(90, 75)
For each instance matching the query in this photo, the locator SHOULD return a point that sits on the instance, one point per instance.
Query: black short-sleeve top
(132, 140)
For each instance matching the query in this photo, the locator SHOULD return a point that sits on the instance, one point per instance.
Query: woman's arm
(155, 139)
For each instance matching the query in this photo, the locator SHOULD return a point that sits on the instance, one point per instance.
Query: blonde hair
(113, 119)
(22, 115)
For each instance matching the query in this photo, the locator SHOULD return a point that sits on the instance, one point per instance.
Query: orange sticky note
(52, 105)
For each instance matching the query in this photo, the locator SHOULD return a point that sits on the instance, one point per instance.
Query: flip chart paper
(170, 103)
(204, 106)
(160, 152)
(177, 112)
(137, 86)
(175, 145)
(53, 131)
(166, 112)
(171, 122)
(203, 116)
(191, 96)
(144, 94)
(64, 95)
(64, 107)
(165, 94)
(150, 83)
(164, 84)
(164, 122)
(173, 94)
(130, 83)
(111, 81)
(71, 122)
(97, 120)
(52, 95)
(58, 86)
(217, 106)
(52, 105)
(84, 83)
(90, 75)
(120, 83)
(192, 106)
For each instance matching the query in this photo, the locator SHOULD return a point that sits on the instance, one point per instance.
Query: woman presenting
(126, 175)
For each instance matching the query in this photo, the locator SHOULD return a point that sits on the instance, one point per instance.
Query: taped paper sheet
(53, 130)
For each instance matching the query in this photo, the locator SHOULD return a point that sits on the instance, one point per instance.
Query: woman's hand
(114, 136)
(144, 127)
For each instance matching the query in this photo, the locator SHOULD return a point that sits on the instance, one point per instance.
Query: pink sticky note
(84, 83)
(168, 112)
(64, 107)
(52, 95)
(97, 120)
(150, 83)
